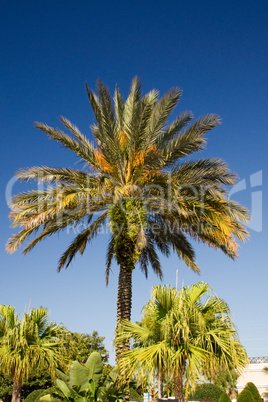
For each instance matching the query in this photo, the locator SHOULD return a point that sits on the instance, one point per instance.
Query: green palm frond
(149, 254)
(67, 142)
(132, 109)
(119, 110)
(108, 123)
(207, 172)
(55, 175)
(109, 258)
(84, 142)
(189, 140)
(29, 344)
(80, 242)
(174, 128)
(186, 330)
(162, 112)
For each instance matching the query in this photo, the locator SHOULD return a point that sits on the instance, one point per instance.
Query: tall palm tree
(181, 333)
(137, 180)
(27, 345)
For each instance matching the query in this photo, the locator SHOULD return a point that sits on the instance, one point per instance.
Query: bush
(245, 396)
(207, 391)
(254, 391)
(35, 395)
(6, 386)
(133, 394)
(224, 398)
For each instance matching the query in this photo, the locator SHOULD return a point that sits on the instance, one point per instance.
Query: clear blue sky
(217, 52)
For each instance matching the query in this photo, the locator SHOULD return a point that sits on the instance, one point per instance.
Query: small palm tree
(138, 181)
(27, 345)
(181, 333)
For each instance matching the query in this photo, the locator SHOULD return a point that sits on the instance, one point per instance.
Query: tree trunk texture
(124, 302)
(16, 391)
(160, 385)
(178, 385)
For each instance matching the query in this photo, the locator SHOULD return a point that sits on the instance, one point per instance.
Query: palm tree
(27, 345)
(137, 180)
(182, 333)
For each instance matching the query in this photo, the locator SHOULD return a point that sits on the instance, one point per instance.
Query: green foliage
(34, 382)
(86, 382)
(133, 394)
(245, 396)
(37, 394)
(40, 381)
(75, 347)
(107, 368)
(250, 386)
(224, 398)
(168, 385)
(30, 345)
(186, 331)
(6, 385)
(209, 391)
(224, 377)
(80, 346)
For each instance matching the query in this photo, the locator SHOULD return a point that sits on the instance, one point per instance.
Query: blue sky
(217, 53)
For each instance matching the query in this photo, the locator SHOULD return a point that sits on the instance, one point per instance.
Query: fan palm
(181, 333)
(137, 181)
(27, 345)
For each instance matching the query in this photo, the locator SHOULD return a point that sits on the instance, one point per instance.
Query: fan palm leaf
(27, 345)
(190, 330)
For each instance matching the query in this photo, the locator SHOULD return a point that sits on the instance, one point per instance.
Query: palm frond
(109, 258)
(55, 175)
(162, 111)
(107, 111)
(149, 254)
(67, 142)
(174, 128)
(132, 108)
(204, 172)
(190, 140)
(119, 110)
(80, 242)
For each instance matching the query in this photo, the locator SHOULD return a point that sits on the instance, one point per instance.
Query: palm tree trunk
(124, 301)
(16, 391)
(178, 385)
(160, 385)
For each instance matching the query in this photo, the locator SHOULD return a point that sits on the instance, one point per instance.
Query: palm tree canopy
(190, 330)
(28, 344)
(139, 180)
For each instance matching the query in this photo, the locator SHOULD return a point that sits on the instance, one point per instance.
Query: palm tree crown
(137, 181)
(183, 333)
(27, 345)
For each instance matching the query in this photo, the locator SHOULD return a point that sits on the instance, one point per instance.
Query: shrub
(254, 391)
(35, 395)
(6, 386)
(207, 391)
(133, 394)
(245, 396)
(224, 398)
